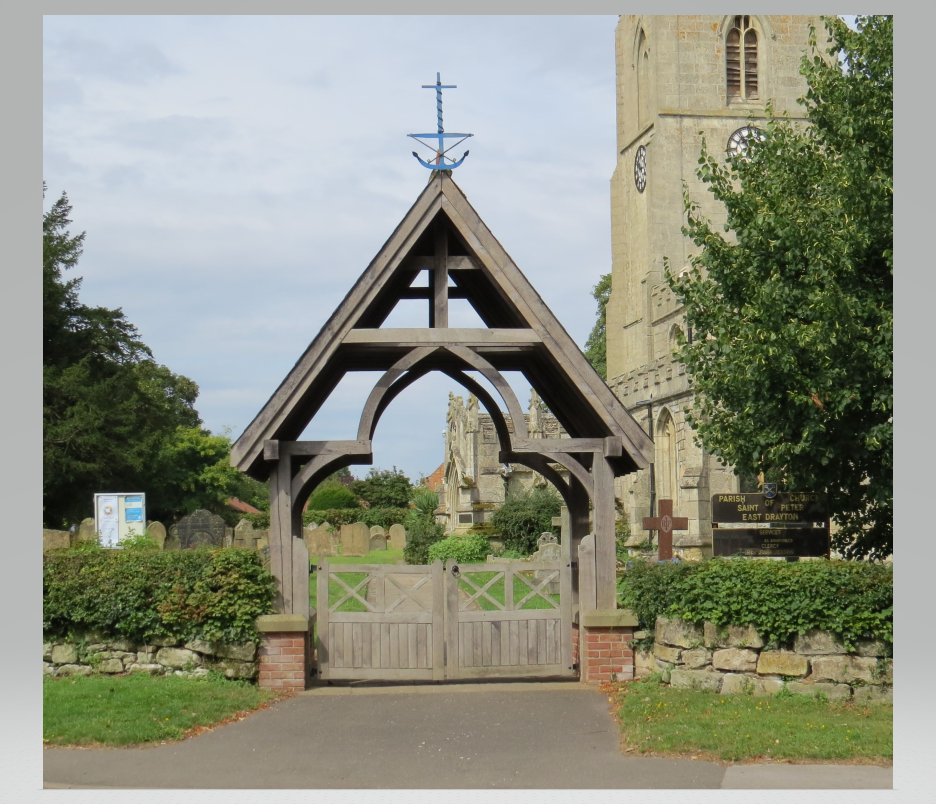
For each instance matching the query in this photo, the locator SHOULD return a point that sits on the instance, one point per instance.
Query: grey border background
(20, 58)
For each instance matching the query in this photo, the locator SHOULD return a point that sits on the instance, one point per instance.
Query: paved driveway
(547, 735)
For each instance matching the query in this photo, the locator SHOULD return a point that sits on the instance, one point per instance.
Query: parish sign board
(785, 524)
(117, 516)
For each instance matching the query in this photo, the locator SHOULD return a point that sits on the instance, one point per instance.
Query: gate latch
(455, 572)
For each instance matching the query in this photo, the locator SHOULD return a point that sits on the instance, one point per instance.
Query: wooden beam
(452, 264)
(271, 450)
(558, 444)
(439, 317)
(310, 449)
(440, 336)
(426, 293)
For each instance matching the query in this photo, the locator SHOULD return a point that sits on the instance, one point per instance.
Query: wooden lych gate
(444, 236)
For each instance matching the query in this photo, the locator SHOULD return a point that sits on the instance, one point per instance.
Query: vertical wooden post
(439, 312)
(322, 616)
(438, 620)
(605, 548)
(451, 620)
(588, 600)
(281, 536)
(300, 585)
(578, 525)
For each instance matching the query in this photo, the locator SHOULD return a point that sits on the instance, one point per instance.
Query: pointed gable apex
(443, 234)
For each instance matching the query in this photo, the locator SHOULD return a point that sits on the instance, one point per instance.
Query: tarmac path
(516, 735)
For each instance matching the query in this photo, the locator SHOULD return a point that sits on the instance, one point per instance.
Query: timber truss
(444, 236)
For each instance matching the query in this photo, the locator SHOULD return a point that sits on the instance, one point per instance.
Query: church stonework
(677, 76)
(475, 481)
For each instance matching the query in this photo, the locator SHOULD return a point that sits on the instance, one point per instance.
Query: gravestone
(158, 532)
(244, 535)
(201, 528)
(172, 539)
(228, 537)
(319, 541)
(397, 537)
(378, 538)
(355, 539)
(549, 550)
(86, 531)
(264, 555)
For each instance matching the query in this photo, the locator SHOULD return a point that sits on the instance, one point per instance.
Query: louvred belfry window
(741, 52)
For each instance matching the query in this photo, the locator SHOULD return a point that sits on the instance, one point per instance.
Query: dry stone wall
(159, 657)
(735, 660)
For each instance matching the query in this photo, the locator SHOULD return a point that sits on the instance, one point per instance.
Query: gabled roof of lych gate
(522, 333)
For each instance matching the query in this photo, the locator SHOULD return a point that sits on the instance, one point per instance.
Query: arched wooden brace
(314, 472)
(539, 464)
(575, 468)
(496, 379)
(379, 397)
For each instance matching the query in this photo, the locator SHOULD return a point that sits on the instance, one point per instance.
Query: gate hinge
(575, 666)
(574, 565)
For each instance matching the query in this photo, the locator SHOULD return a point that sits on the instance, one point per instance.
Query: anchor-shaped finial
(441, 135)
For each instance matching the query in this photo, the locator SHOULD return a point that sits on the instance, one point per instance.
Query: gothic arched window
(643, 81)
(741, 52)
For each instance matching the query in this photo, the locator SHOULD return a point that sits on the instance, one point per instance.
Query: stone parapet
(736, 660)
(158, 657)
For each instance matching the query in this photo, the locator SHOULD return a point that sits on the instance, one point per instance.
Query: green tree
(332, 495)
(524, 516)
(596, 347)
(793, 310)
(384, 488)
(113, 419)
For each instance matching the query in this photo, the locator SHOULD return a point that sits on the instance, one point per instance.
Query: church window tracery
(741, 51)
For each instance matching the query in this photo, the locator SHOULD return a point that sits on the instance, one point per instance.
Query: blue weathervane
(440, 135)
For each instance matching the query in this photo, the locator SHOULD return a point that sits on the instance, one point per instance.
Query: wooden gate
(396, 622)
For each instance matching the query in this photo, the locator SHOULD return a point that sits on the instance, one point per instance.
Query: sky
(235, 175)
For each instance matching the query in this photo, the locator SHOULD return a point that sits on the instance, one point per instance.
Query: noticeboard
(787, 524)
(117, 516)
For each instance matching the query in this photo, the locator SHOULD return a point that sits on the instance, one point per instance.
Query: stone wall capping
(274, 623)
(609, 618)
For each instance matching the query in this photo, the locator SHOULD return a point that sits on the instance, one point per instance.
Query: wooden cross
(666, 523)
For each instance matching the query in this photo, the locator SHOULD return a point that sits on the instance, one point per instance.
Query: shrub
(136, 594)
(333, 495)
(421, 534)
(469, 548)
(524, 516)
(853, 600)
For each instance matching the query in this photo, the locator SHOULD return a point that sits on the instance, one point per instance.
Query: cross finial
(440, 135)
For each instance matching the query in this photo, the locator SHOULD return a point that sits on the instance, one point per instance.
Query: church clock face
(640, 169)
(739, 142)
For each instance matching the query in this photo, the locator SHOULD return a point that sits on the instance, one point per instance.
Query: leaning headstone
(157, 531)
(355, 539)
(86, 531)
(378, 538)
(397, 537)
(201, 528)
(319, 541)
(172, 539)
(244, 536)
(228, 537)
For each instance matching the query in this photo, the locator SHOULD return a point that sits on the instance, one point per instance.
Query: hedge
(853, 600)
(208, 594)
(471, 548)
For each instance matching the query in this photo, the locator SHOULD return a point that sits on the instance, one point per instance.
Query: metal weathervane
(441, 135)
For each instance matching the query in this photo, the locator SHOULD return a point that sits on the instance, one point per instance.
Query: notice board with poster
(117, 516)
(771, 523)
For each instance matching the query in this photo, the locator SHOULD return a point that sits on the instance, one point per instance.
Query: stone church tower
(678, 76)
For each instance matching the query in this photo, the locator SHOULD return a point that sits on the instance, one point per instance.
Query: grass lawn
(660, 720)
(123, 710)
